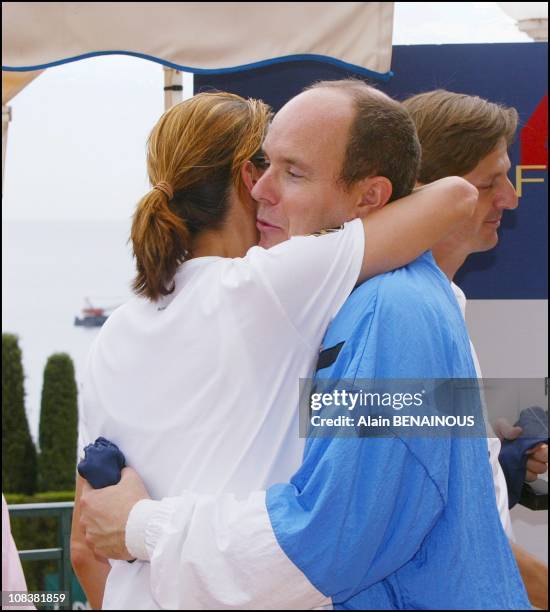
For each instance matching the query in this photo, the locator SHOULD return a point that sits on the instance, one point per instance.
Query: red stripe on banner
(534, 137)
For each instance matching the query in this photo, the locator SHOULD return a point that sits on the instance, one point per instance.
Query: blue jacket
(398, 522)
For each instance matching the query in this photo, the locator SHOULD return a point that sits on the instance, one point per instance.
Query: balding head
(382, 139)
(319, 104)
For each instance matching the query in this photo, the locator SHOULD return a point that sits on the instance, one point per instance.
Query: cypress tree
(58, 425)
(18, 451)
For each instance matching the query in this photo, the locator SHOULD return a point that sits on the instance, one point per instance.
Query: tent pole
(173, 88)
(6, 118)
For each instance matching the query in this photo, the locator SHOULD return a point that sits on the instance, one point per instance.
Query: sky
(77, 139)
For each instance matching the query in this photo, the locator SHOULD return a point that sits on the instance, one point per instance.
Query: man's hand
(505, 431)
(537, 463)
(104, 514)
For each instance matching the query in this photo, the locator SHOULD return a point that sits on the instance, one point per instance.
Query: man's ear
(250, 175)
(374, 192)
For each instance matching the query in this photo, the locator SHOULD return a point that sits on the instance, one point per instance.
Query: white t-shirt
(200, 389)
(493, 442)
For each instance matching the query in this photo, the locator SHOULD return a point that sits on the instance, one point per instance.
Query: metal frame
(63, 511)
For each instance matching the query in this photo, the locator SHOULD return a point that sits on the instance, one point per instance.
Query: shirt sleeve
(311, 276)
(84, 429)
(501, 492)
(338, 527)
(83, 437)
(499, 481)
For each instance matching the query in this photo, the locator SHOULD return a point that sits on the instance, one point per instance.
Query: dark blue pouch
(102, 464)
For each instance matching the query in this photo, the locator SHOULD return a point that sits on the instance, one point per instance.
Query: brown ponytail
(198, 147)
(161, 238)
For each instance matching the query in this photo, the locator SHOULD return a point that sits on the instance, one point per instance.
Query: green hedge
(58, 425)
(39, 498)
(19, 469)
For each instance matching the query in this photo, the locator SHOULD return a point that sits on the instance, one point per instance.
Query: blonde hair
(457, 131)
(198, 147)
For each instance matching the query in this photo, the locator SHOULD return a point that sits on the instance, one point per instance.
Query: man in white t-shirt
(287, 200)
(468, 136)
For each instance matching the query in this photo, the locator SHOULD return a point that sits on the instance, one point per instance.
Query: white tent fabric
(199, 36)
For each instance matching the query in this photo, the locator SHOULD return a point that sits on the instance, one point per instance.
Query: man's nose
(507, 199)
(264, 189)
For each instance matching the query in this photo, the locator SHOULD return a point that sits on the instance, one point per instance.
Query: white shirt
(501, 490)
(200, 389)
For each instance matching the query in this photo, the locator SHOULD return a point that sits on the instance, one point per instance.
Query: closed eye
(488, 185)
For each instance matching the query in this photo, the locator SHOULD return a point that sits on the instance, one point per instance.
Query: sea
(49, 268)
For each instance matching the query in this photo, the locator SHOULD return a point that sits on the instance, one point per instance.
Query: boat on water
(93, 316)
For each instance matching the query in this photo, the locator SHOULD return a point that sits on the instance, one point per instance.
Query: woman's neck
(221, 243)
(237, 234)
